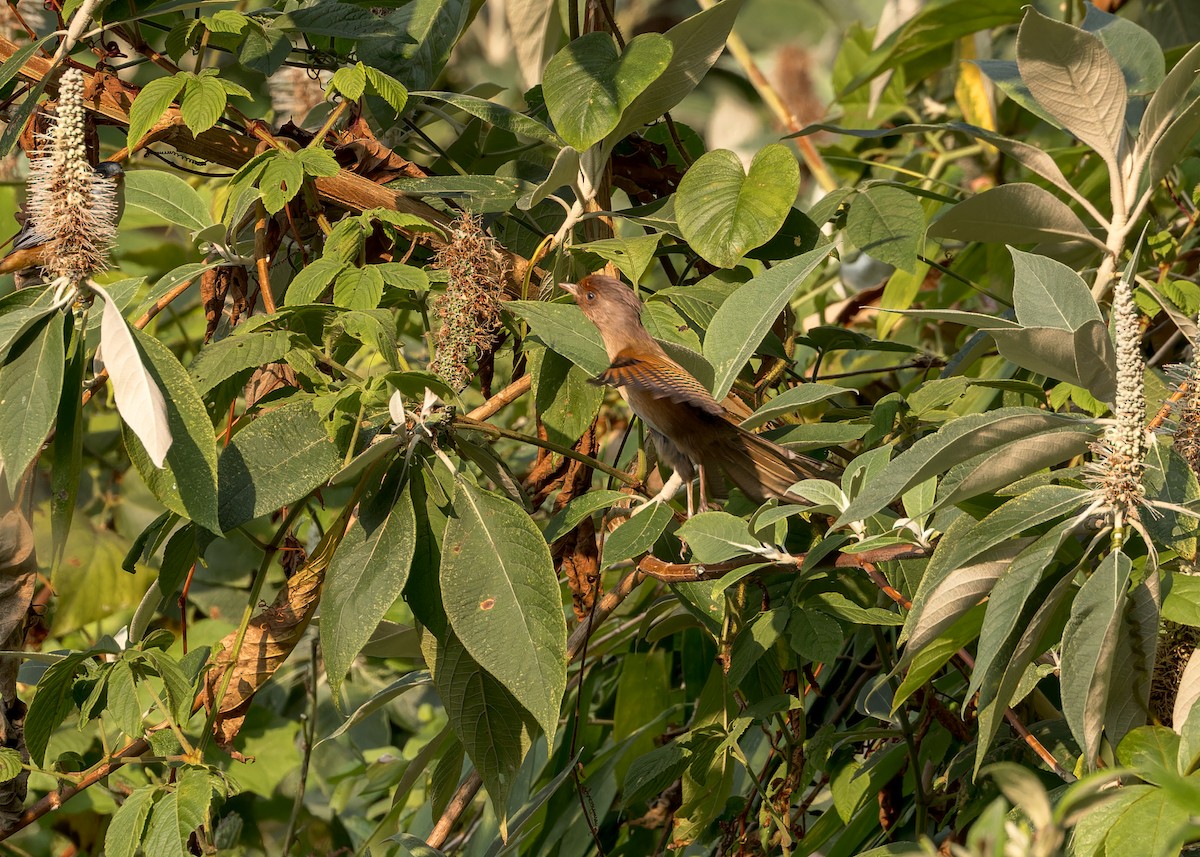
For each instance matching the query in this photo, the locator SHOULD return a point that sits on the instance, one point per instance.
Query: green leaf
(51, 704)
(387, 87)
(636, 535)
(177, 815)
(16, 323)
(1090, 642)
(588, 85)
(1135, 50)
(502, 599)
(1152, 824)
(650, 774)
(10, 764)
(564, 329)
(791, 400)
(1085, 357)
(717, 536)
(936, 653)
(1168, 478)
(202, 104)
(125, 832)
(308, 285)
(187, 482)
(263, 49)
(725, 212)
(632, 255)
(696, 43)
(1167, 129)
(567, 518)
(278, 459)
(482, 194)
(66, 451)
(494, 728)
(1046, 293)
(218, 361)
(972, 554)
(366, 575)
(152, 104)
(1071, 74)
(643, 694)
(957, 441)
(123, 705)
(743, 320)
(565, 400)
(937, 25)
(498, 115)
(350, 81)
(1018, 213)
(1182, 603)
(30, 386)
(340, 20)
(426, 31)
(815, 636)
(887, 224)
(168, 196)
(321, 162)
(358, 288)
(379, 701)
(281, 179)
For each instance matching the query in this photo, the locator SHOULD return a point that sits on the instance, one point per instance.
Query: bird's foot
(666, 494)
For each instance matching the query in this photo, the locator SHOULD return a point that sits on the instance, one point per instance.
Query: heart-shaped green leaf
(724, 212)
(588, 85)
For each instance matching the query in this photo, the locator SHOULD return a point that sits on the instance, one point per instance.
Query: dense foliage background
(382, 597)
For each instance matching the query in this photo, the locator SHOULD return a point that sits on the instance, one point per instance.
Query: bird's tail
(762, 469)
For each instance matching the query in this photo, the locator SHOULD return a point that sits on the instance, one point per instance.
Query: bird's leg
(703, 491)
(691, 506)
(666, 493)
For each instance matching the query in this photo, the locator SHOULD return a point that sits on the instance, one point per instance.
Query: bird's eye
(591, 296)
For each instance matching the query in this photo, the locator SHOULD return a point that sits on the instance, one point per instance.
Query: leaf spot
(487, 604)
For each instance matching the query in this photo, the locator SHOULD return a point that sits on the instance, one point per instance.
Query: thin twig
(508, 395)
(454, 810)
(1013, 720)
(56, 799)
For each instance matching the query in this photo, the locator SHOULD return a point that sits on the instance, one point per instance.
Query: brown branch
(56, 799)
(508, 395)
(230, 149)
(454, 810)
(681, 572)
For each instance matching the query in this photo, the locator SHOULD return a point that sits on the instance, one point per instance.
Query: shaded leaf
(888, 224)
(1017, 213)
(276, 460)
(366, 576)
(502, 599)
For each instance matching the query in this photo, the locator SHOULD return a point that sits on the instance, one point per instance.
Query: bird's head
(607, 302)
(110, 170)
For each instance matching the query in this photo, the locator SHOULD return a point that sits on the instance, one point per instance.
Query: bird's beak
(569, 288)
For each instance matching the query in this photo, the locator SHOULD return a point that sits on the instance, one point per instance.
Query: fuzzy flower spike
(73, 205)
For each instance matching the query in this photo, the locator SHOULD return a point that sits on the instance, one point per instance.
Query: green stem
(594, 463)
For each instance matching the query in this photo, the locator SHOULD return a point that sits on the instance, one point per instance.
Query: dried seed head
(71, 204)
(469, 310)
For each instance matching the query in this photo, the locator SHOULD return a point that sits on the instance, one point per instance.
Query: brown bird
(691, 430)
